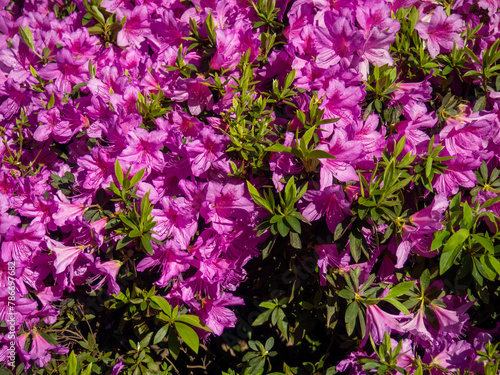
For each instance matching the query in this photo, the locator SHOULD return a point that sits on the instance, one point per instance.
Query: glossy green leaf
(188, 335)
(452, 249)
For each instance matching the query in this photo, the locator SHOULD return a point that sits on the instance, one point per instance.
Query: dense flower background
(174, 171)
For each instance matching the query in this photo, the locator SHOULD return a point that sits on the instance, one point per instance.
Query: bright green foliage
(284, 217)
(135, 222)
(106, 26)
(258, 355)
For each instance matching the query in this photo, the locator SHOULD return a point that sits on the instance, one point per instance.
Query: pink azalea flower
(66, 71)
(67, 211)
(232, 43)
(136, 27)
(40, 348)
(418, 237)
(329, 257)
(6, 220)
(337, 40)
(197, 94)
(170, 258)
(107, 271)
(144, 150)
(224, 204)
(65, 256)
(378, 322)
(450, 321)
(175, 220)
(329, 202)
(417, 327)
(22, 243)
(345, 152)
(441, 32)
(207, 151)
(14, 98)
(97, 169)
(460, 172)
(23, 307)
(216, 315)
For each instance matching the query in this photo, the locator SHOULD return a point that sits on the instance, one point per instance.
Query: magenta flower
(144, 150)
(136, 27)
(216, 315)
(207, 152)
(65, 256)
(378, 322)
(224, 204)
(67, 211)
(21, 244)
(345, 152)
(450, 321)
(441, 32)
(66, 71)
(170, 258)
(337, 40)
(107, 272)
(329, 202)
(329, 257)
(96, 168)
(175, 220)
(6, 220)
(417, 327)
(40, 350)
(232, 43)
(418, 235)
(197, 94)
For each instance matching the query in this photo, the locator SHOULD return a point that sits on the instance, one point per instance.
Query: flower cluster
(149, 139)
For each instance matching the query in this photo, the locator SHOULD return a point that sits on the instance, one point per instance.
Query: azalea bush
(250, 187)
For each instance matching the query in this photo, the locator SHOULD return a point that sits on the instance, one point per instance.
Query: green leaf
(283, 229)
(127, 221)
(485, 242)
(306, 138)
(72, 364)
(27, 37)
(278, 148)
(262, 318)
(118, 172)
(492, 263)
(399, 289)
(399, 146)
(160, 335)
(480, 104)
(438, 240)
(188, 335)
(294, 223)
(355, 244)
(290, 190)
(452, 249)
(137, 177)
(295, 240)
(319, 154)
(163, 304)
(257, 198)
(192, 320)
(124, 242)
(467, 216)
(425, 280)
(397, 305)
(174, 347)
(346, 294)
(146, 243)
(488, 203)
(350, 317)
